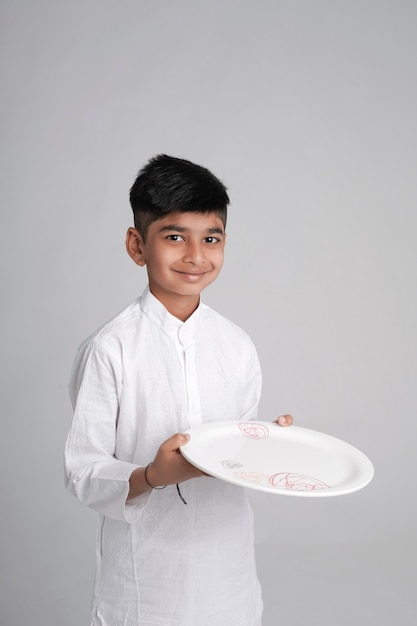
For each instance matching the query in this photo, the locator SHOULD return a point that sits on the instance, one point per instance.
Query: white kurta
(141, 378)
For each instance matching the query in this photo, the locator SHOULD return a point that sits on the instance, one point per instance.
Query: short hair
(167, 184)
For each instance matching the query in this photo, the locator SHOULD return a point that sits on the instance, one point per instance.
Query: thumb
(176, 441)
(284, 420)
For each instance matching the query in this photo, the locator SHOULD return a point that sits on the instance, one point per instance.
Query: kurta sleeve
(253, 384)
(93, 474)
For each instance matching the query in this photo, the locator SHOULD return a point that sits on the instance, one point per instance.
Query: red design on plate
(297, 482)
(254, 430)
(255, 478)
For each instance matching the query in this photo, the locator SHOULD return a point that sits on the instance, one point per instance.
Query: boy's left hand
(284, 420)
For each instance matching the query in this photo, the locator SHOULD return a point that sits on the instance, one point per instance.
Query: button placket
(190, 378)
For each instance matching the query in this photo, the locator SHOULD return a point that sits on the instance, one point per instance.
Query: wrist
(151, 480)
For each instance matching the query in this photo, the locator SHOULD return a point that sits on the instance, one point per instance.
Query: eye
(174, 237)
(211, 239)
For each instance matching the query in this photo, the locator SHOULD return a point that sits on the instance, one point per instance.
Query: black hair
(167, 184)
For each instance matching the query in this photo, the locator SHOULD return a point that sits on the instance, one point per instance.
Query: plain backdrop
(306, 109)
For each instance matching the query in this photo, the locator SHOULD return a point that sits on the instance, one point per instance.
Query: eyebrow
(181, 229)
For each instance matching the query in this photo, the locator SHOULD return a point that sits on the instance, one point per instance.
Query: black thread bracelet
(146, 478)
(164, 486)
(180, 494)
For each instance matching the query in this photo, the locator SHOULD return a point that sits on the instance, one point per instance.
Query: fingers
(284, 420)
(169, 466)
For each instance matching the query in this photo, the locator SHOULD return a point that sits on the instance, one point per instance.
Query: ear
(135, 246)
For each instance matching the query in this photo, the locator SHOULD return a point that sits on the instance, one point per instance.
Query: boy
(163, 365)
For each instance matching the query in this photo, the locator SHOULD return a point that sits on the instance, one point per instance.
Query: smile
(192, 276)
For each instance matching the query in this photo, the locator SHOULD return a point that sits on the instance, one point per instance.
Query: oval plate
(290, 461)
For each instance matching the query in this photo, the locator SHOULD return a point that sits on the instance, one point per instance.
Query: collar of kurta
(169, 324)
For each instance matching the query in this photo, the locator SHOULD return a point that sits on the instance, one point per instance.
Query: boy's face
(184, 254)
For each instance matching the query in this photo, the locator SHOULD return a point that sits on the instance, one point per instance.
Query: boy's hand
(169, 466)
(284, 420)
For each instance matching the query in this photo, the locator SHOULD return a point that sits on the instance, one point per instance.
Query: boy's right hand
(169, 466)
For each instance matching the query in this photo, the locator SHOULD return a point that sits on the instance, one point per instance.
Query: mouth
(192, 276)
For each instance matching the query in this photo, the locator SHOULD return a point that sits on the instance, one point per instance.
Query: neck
(181, 307)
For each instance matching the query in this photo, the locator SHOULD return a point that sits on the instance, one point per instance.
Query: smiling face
(184, 254)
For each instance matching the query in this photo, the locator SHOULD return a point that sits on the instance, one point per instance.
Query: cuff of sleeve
(124, 509)
(104, 487)
(134, 507)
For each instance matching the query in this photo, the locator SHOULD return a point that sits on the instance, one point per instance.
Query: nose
(194, 253)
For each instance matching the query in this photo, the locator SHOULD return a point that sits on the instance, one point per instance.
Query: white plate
(289, 461)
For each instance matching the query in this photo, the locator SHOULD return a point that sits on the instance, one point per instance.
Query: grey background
(307, 110)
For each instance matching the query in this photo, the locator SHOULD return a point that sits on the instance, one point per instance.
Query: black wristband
(146, 478)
